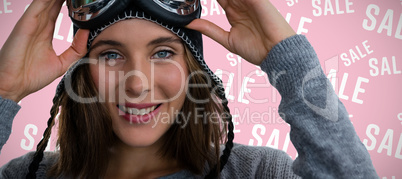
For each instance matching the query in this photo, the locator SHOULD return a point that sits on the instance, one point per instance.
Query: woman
(123, 107)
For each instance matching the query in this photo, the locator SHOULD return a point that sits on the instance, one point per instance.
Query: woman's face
(140, 73)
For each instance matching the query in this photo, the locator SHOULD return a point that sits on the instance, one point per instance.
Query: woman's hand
(28, 61)
(257, 26)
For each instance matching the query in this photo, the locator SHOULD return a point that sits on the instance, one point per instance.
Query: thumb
(76, 51)
(211, 30)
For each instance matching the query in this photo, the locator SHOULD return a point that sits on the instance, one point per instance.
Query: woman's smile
(138, 113)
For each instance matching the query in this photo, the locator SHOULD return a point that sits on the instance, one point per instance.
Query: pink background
(375, 110)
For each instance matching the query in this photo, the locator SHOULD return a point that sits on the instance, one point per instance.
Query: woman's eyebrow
(105, 42)
(162, 40)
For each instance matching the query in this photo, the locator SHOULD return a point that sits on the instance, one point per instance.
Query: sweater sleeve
(258, 162)
(324, 137)
(8, 110)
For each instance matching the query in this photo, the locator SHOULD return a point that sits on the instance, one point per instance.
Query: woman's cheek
(104, 81)
(172, 80)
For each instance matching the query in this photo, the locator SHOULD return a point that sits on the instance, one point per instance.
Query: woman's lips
(138, 113)
(140, 106)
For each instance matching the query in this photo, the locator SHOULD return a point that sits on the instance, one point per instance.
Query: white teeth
(143, 111)
(135, 111)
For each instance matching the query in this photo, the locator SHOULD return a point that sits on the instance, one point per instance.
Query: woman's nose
(137, 80)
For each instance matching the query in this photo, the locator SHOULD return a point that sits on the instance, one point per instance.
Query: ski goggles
(90, 14)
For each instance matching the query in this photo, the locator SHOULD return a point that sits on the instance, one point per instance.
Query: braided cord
(38, 156)
(229, 144)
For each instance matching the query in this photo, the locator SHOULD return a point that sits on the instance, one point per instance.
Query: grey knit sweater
(321, 131)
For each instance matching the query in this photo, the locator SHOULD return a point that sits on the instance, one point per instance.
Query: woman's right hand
(28, 61)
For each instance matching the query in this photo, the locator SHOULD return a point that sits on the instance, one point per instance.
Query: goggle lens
(180, 7)
(79, 3)
(84, 13)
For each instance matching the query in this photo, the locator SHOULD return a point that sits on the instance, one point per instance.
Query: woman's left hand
(257, 26)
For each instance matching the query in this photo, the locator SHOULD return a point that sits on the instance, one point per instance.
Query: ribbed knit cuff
(8, 110)
(288, 63)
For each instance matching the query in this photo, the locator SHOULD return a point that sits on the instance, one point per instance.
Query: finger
(77, 50)
(211, 30)
(37, 7)
(55, 10)
(223, 3)
(35, 17)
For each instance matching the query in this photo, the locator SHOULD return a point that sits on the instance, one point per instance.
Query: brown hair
(86, 135)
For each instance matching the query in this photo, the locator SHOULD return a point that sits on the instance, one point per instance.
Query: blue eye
(163, 54)
(110, 56)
